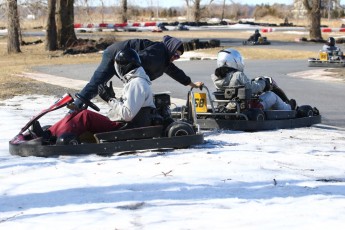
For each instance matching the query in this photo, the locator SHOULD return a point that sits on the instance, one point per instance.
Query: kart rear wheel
(305, 111)
(179, 128)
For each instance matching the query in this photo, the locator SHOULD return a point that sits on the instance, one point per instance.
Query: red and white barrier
(328, 30)
(267, 30)
(147, 25)
(323, 29)
(116, 25)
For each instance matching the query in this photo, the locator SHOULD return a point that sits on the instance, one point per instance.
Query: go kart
(261, 41)
(160, 135)
(331, 60)
(235, 109)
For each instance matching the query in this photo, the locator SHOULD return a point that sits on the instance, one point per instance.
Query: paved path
(307, 85)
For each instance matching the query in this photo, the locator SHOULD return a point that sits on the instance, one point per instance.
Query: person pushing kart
(156, 59)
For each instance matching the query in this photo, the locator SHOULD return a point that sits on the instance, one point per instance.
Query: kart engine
(162, 103)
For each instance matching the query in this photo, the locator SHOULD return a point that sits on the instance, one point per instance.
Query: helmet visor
(119, 70)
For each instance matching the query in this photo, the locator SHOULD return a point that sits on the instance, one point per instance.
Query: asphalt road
(327, 96)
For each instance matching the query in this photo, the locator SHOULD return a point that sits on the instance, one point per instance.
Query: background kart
(164, 133)
(332, 60)
(234, 109)
(261, 41)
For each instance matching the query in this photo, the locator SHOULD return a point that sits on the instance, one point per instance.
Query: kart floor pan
(35, 148)
(326, 64)
(244, 125)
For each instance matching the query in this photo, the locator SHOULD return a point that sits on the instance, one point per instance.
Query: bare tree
(196, 9)
(36, 8)
(86, 9)
(51, 34)
(13, 45)
(65, 23)
(313, 8)
(124, 11)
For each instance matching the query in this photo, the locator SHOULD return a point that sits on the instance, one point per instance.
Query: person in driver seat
(135, 105)
(230, 74)
(255, 37)
(332, 49)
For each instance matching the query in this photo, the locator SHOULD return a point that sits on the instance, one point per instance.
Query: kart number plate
(323, 56)
(200, 102)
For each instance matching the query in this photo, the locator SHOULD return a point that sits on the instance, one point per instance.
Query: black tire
(68, 139)
(179, 128)
(256, 115)
(305, 111)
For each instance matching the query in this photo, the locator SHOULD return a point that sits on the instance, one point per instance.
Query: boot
(37, 129)
(293, 104)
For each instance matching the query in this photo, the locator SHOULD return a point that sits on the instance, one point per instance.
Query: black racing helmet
(125, 61)
(331, 41)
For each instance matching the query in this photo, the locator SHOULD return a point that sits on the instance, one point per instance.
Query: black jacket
(155, 58)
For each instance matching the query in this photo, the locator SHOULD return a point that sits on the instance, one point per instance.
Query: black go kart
(164, 133)
(260, 41)
(232, 110)
(329, 60)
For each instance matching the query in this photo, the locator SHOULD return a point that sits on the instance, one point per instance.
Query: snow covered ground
(281, 179)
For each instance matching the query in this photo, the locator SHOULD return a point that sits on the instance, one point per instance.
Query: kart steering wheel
(87, 102)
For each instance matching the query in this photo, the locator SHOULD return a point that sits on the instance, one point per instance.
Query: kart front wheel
(67, 139)
(305, 111)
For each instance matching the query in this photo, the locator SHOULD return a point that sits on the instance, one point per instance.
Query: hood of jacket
(137, 73)
(172, 44)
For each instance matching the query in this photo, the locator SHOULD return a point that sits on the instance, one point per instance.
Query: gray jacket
(238, 78)
(328, 48)
(136, 94)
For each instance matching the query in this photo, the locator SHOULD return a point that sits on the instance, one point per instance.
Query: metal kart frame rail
(219, 120)
(193, 107)
(326, 59)
(175, 135)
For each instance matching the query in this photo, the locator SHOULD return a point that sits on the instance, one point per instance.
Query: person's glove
(106, 92)
(76, 105)
(269, 84)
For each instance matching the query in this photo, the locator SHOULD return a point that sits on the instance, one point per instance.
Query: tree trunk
(51, 35)
(65, 23)
(20, 37)
(314, 17)
(196, 11)
(124, 11)
(13, 45)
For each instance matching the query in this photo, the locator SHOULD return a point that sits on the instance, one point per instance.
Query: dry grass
(32, 55)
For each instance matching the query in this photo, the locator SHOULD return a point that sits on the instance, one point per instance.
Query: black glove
(106, 92)
(76, 105)
(268, 86)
